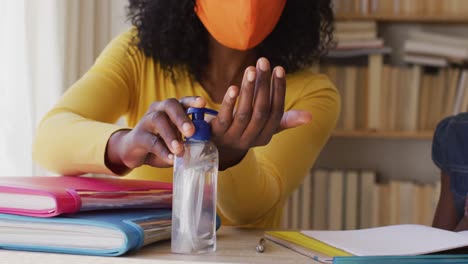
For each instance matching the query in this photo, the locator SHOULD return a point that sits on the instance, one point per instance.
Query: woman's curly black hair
(171, 33)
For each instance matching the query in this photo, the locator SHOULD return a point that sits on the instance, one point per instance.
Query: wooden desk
(234, 246)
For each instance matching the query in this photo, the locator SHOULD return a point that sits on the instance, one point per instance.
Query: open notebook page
(392, 240)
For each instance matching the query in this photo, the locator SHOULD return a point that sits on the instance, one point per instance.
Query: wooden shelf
(405, 18)
(422, 135)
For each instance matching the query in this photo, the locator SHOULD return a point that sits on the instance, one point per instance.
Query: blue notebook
(103, 233)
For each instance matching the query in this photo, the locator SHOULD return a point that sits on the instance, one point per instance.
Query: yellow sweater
(71, 139)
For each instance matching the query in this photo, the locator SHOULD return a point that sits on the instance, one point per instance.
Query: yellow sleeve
(72, 137)
(254, 191)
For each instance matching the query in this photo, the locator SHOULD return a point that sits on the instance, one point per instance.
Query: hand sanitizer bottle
(194, 190)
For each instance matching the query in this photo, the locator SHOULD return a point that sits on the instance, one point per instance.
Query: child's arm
(463, 224)
(445, 216)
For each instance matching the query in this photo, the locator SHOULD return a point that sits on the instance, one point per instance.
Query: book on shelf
(51, 196)
(358, 52)
(335, 199)
(425, 60)
(394, 240)
(405, 8)
(350, 199)
(354, 36)
(438, 38)
(460, 92)
(365, 44)
(102, 233)
(357, 35)
(367, 184)
(356, 26)
(452, 53)
(320, 199)
(391, 98)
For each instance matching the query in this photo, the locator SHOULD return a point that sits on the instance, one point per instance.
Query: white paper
(392, 240)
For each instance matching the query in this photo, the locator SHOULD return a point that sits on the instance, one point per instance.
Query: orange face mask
(239, 24)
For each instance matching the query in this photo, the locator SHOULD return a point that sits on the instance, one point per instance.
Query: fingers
(262, 101)
(223, 120)
(158, 155)
(278, 92)
(176, 112)
(157, 137)
(160, 123)
(155, 161)
(144, 144)
(260, 108)
(244, 108)
(294, 118)
(192, 101)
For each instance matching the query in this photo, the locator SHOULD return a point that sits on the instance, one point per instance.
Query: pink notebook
(51, 196)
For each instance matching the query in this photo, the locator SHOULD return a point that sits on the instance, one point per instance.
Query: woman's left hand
(259, 114)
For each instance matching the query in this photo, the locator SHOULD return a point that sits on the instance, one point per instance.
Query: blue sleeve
(439, 144)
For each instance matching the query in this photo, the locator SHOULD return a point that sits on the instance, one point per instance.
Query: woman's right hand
(155, 139)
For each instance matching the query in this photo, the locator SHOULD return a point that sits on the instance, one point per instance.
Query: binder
(100, 233)
(51, 196)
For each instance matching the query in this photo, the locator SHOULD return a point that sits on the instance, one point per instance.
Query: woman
(227, 55)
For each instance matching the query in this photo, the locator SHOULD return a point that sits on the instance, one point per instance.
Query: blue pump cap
(202, 128)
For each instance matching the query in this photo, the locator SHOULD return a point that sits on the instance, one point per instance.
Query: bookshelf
(400, 156)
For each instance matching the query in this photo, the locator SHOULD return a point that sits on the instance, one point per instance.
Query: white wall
(119, 23)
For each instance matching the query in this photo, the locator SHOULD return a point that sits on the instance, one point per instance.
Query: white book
(396, 6)
(410, 121)
(460, 91)
(401, 240)
(437, 38)
(420, 47)
(366, 196)
(335, 200)
(374, 6)
(360, 44)
(425, 60)
(341, 36)
(355, 26)
(351, 200)
(364, 7)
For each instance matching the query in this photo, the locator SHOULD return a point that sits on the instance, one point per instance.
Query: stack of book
(351, 199)
(357, 38)
(434, 49)
(81, 215)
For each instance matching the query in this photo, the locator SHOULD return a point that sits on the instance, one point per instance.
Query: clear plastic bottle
(195, 189)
